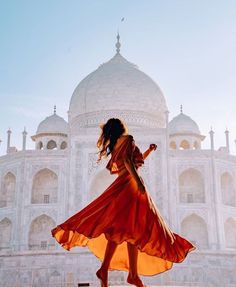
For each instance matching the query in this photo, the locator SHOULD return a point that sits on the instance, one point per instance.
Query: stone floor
(93, 285)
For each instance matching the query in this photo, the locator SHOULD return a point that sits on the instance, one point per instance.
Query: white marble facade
(194, 189)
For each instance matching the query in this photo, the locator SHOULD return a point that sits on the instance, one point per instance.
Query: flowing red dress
(124, 214)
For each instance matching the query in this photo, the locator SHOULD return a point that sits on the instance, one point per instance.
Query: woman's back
(124, 149)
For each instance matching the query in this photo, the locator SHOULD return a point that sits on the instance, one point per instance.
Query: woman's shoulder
(125, 137)
(128, 136)
(124, 140)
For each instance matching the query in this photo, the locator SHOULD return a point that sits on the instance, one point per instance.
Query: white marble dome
(53, 124)
(183, 124)
(118, 85)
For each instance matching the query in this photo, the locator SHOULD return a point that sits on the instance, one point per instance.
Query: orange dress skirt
(124, 214)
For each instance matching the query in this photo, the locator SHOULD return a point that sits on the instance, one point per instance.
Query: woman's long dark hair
(111, 131)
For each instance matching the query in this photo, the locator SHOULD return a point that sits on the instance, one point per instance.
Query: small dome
(53, 124)
(183, 124)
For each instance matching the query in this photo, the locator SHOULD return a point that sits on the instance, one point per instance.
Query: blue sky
(187, 46)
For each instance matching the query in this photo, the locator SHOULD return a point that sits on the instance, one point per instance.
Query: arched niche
(228, 189)
(40, 237)
(5, 233)
(230, 233)
(63, 145)
(194, 228)
(51, 144)
(184, 144)
(45, 187)
(7, 192)
(173, 145)
(191, 186)
(99, 183)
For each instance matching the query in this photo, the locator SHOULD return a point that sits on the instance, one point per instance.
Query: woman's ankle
(132, 275)
(104, 268)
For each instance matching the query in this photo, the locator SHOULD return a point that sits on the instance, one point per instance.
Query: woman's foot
(135, 280)
(102, 274)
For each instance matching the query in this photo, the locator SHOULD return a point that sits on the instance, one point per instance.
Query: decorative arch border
(228, 172)
(12, 225)
(184, 169)
(38, 169)
(204, 214)
(199, 216)
(194, 214)
(32, 218)
(33, 177)
(224, 221)
(3, 175)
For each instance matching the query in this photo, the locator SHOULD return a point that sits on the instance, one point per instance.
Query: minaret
(118, 45)
(227, 139)
(24, 133)
(181, 109)
(55, 110)
(212, 139)
(168, 198)
(8, 139)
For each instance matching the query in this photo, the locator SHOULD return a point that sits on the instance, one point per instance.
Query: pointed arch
(191, 186)
(63, 145)
(5, 233)
(45, 187)
(194, 228)
(99, 183)
(228, 189)
(184, 144)
(7, 192)
(173, 145)
(40, 233)
(51, 144)
(230, 233)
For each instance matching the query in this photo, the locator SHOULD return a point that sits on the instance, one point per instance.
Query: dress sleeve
(133, 152)
(125, 151)
(129, 148)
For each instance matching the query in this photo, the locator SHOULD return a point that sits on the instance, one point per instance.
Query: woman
(123, 227)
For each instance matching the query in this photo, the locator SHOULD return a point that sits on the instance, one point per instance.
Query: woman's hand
(152, 147)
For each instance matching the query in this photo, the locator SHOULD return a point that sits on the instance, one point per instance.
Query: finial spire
(212, 139)
(8, 139)
(118, 45)
(24, 133)
(55, 109)
(227, 139)
(181, 109)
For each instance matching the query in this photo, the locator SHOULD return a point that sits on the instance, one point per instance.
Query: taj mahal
(194, 188)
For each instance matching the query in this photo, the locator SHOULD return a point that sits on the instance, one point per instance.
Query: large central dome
(119, 86)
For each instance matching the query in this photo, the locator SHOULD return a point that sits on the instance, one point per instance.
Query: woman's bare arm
(148, 151)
